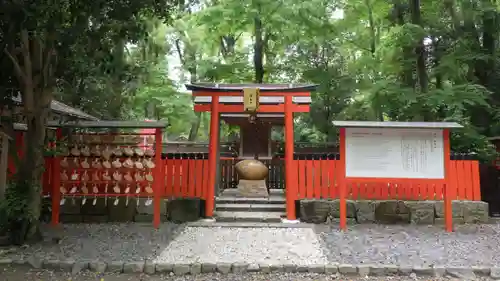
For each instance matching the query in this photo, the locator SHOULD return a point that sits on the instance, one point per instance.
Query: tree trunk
(33, 66)
(258, 50)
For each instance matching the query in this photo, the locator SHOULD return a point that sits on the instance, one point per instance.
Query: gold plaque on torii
(251, 99)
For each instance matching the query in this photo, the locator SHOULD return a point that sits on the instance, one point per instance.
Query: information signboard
(394, 153)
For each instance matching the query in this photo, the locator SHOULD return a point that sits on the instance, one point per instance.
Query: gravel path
(413, 245)
(107, 242)
(404, 245)
(250, 245)
(88, 276)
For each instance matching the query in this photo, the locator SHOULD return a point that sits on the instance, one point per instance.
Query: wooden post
(212, 156)
(4, 163)
(158, 179)
(342, 181)
(56, 182)
(290, 184)
(448, 213)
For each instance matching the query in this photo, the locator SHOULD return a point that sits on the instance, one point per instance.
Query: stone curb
(149, 267)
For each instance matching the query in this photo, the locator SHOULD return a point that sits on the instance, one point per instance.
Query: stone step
(250, 200)
(250, 224)
(244, 207)
(272, 192)
(222, 216)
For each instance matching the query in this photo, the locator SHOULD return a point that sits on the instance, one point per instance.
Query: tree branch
(179, 51)
(17, 67)
(25, 45)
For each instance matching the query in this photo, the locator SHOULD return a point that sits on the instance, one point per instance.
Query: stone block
(331, 268)
(35, 262)
(5, 262)
(378, 270)
(149, 210)
(239, 268)
(424, 271)
(461, 273)
(252, 188)
(421, 212)
(276, 268)
(95, 218)
(495, 273)
(302, 268)
(439, 271)
(405, 270)
(195, 268)
(289, 268)
(100, 208)
(348, 269)
(363, 270)
(71, 209)
(475, 211)
(133, 267)
(481, 270)
(314, 211)
(253, 267)
(124, 211)
(149, 267)
(181, 269)
(456, 209)
(223, 268)
(336, 221)
(335, 208)
(115, 267)
(208, 268)
(265, 268)
(184, 210)
(65, 218)
(392, 211)
(365, 211)
(56, 265)
(316, 268)
(164, 267)
(441, 221)
(97, 266)
(79, 266)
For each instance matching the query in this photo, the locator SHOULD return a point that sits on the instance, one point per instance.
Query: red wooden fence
(317, 179)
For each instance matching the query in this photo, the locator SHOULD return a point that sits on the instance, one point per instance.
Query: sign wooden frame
(344, 180)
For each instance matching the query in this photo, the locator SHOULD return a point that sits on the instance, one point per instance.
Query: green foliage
(13, 209)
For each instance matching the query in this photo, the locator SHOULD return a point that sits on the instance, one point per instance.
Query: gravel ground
(413, 245)
(374, 244)
(125, 242)
(250, 245)
(51, 276)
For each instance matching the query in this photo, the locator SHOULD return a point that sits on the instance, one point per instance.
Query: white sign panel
(394, 153)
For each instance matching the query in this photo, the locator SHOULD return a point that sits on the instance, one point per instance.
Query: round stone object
(251, 169)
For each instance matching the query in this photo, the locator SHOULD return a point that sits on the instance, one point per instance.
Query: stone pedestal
(252, 188)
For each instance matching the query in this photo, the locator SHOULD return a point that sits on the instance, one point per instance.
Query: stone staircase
(231, 208)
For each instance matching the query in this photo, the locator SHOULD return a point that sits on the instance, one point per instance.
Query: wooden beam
(4, 163)
(240, 93)
(235, 108)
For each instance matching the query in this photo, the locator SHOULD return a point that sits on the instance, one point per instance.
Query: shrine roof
(406, 125)
(285, 88)
(108, 124)
(62, 108)
(262, 100)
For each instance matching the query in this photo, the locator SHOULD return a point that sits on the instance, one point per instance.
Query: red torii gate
(274, 98)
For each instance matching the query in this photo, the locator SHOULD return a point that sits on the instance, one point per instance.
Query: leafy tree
(40, 39)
